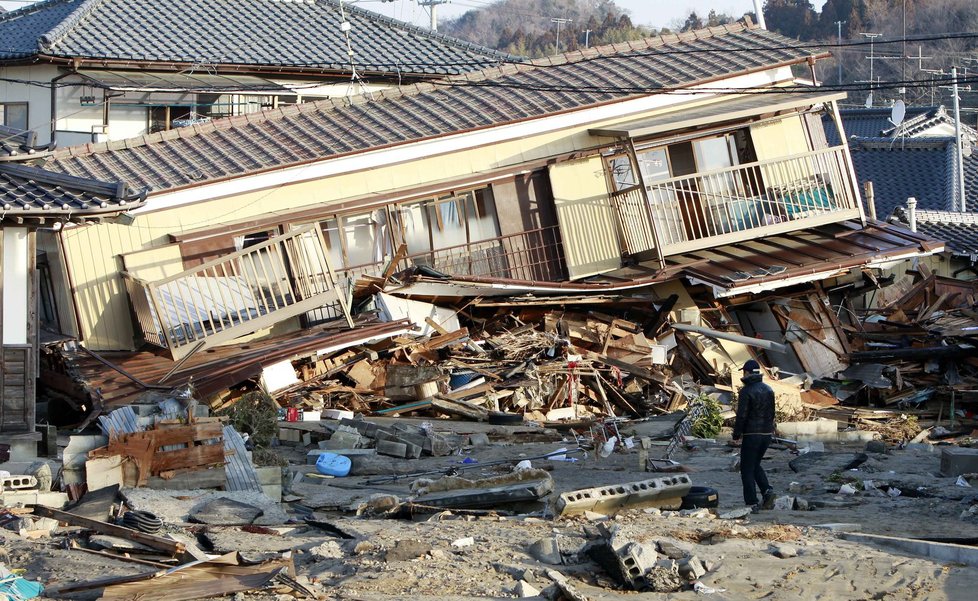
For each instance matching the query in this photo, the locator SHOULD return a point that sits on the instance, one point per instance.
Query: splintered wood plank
(199, 456)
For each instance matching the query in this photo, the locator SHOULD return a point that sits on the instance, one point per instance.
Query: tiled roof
(288, 33)
(258, 142)
(32, 192)
(959, 230)
(921, 168)
(875, 123)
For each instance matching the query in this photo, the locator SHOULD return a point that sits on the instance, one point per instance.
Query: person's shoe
(769, 498)
(755, 508)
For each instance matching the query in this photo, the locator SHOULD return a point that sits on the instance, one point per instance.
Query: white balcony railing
(738, 203)
(236, 294)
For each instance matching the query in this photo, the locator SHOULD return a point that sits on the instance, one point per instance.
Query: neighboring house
(33, 200)
(596, 171)
(80, 71)
(916, 159)
(958, 229)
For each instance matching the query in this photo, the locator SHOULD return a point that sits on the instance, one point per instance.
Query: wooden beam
(171, 547)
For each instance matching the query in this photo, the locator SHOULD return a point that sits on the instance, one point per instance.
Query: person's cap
(752, 367)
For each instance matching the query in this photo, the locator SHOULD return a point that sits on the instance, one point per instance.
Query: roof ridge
(59, 31)
(30, 8)
(416, 89)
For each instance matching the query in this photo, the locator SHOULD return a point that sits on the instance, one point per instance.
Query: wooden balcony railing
(236, 294)
(738, 203)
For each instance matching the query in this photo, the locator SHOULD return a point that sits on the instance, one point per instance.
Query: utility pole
(433, 10)
(838, 58)
(560, 22)
(957, 137)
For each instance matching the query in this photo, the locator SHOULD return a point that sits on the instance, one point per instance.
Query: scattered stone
(797, 487)
(876, 446)
(671, 551)
(691, 568)
(525, 589)
(702, 513)
(784, 551)
(711, 566)
(479, 439)
(362, 547)
(665, 578)
(652, 511)
(827, 463)
(223, 511)
(735, 514)
(438, 554)
(463, 542)
(546, 550)
(328, 550)
(595, 517)
(42, 473)
(802, 504)
(407, 549)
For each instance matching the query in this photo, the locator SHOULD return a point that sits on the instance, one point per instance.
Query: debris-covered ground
(521, 447)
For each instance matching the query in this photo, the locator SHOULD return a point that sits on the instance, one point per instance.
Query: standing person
(754, 428)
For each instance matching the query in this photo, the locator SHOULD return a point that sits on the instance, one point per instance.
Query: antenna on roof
(898, 113)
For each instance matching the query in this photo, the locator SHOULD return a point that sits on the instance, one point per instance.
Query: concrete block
(479, 439)
(658, 492)
(313, 455)
(13, 498)
(857, 436)
(306, 439)
(269, 475)
(337, 414)
(393, 449)
(820, 429)
(940, 552)
(958, 460)
(342, 439)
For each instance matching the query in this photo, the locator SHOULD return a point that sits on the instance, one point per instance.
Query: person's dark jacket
(755, 408)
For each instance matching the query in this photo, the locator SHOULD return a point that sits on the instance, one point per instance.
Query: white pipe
(764, 344)
(759, 12)
(912, 213)
(959, 163)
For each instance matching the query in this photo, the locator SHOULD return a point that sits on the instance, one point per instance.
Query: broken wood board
(170, 547)
(223, 575)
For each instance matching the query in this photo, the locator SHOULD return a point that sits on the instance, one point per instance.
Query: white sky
(655, 13)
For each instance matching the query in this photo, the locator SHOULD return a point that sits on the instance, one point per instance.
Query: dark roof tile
(245, 32)
(449, 106)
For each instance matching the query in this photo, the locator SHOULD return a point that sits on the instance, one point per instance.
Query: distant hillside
(525, 28)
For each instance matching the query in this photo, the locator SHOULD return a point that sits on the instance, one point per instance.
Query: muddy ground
(415, 558)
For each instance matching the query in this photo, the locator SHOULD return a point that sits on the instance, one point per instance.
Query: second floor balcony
(681, 214)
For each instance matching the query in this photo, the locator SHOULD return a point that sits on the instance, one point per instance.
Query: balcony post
(847, 157)
(640, 179)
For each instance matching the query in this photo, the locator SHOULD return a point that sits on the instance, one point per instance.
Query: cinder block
(344, 440)
(664, 492)
(957, 460)
(393, 449)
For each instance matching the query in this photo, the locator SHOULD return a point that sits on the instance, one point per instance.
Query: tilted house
(609, 169)
(77, 71)
(33, 200)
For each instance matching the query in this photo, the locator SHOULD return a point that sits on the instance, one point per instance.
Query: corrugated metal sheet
(219, 368)
(120, 421)
(241, 474)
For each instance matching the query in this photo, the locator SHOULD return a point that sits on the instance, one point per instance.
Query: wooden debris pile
(561, 366)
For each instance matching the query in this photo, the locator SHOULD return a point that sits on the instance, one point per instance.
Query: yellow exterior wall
(587, 225)
(779, 138)
(94, 252)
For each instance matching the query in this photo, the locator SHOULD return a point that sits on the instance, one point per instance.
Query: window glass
(621, 172)
(446, 219)
(331, 234)
(14, 115)
(359, 237)
(481, 215)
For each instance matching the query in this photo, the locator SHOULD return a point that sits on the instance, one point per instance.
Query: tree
(793, 18)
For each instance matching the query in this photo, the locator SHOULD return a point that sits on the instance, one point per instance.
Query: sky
(654, 13)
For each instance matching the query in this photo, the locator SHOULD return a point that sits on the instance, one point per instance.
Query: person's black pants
(752, 449)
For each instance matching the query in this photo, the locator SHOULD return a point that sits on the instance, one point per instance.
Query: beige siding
(778, 139)
(94, 251)
(587, 224)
